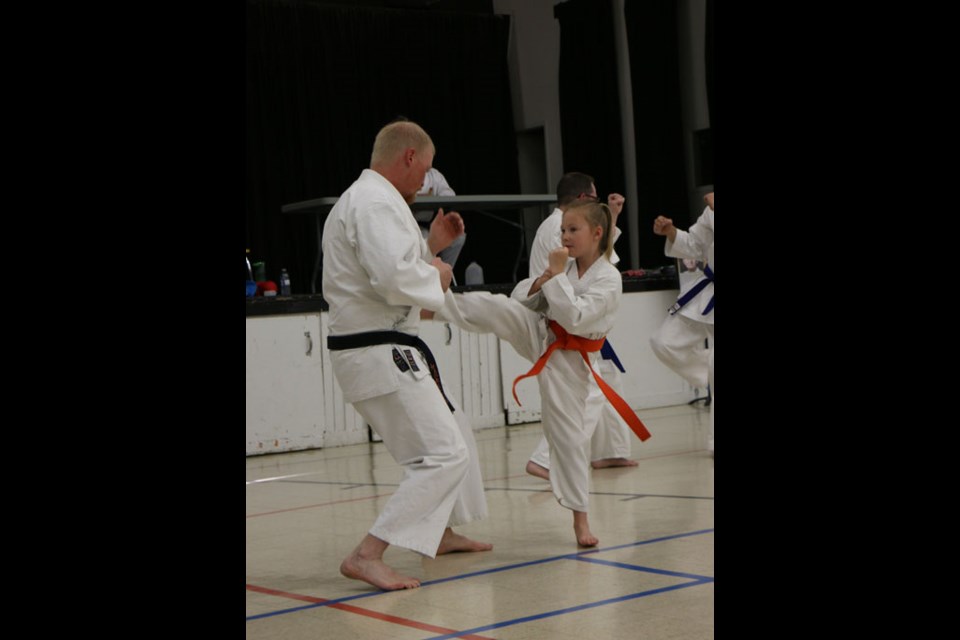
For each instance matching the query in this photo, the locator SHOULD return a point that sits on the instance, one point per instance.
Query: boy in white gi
(559, 320)
(678, 343)
(610, 445)
(377, 276)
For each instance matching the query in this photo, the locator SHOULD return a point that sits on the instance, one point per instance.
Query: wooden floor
(651, 576)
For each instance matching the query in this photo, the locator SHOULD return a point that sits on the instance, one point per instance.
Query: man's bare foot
(582, 529)
(536, 470)
(613, 462)
(453, 542)
(376, 572)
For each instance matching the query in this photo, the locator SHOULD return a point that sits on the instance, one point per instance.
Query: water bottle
(251, 284)
(474, 274)
(284, 282)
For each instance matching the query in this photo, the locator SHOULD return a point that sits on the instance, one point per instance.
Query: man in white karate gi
(678, 343)
(610, 444)
(378, 274)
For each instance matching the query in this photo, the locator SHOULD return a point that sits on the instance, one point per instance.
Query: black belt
(371, 338)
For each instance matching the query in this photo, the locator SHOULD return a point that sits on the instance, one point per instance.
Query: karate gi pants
(678, 343)
(442, 486)
(571, 401)
(611, 439)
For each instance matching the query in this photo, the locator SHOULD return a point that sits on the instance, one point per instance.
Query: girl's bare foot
(452, 542)
(582, 529)
(613, 462)
(536, 470)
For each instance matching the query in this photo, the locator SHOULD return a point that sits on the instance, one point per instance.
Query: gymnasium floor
(651, 576)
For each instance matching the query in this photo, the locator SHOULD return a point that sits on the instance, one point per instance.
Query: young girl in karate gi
(581, 297)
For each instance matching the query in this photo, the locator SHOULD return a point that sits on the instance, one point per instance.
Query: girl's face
(576, 234)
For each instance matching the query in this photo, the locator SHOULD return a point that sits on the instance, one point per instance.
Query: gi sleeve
(695, 242)
(390, 249)
(576, 313)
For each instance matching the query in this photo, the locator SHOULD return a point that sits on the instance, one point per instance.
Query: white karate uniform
(572, 402)
(377, 277)
(434, 184)
(611, 439)
(678, 343)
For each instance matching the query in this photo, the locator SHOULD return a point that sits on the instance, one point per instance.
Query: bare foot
(613, 462)
(536, 470)
(582, 529)
(453, 542)
(376, 572)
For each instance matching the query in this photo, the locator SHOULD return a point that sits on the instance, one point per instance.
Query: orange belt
(570, 342)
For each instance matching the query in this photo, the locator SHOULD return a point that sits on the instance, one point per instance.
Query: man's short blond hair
(395, 137)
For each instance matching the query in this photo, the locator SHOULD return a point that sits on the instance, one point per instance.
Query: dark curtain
(708, 63)
(590, 102)
(658, 129)
(322, 80)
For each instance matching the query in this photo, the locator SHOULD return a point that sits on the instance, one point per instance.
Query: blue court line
(422, 585)
(642, 542)
(636, 567)
(569, 556)
(637, 496)
(560, 612)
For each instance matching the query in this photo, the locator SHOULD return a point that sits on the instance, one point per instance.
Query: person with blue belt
(610, 444)
(679, 342)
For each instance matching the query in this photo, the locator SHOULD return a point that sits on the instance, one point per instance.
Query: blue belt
(694, 290)
(607, 353)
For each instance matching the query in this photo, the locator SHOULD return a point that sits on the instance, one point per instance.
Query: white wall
(293, 401)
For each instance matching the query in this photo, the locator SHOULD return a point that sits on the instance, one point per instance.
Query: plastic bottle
(474, 274)
(251, 284)
(284, 282)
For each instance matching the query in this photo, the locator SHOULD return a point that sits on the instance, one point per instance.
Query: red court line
(364, 612)
(322, 504)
